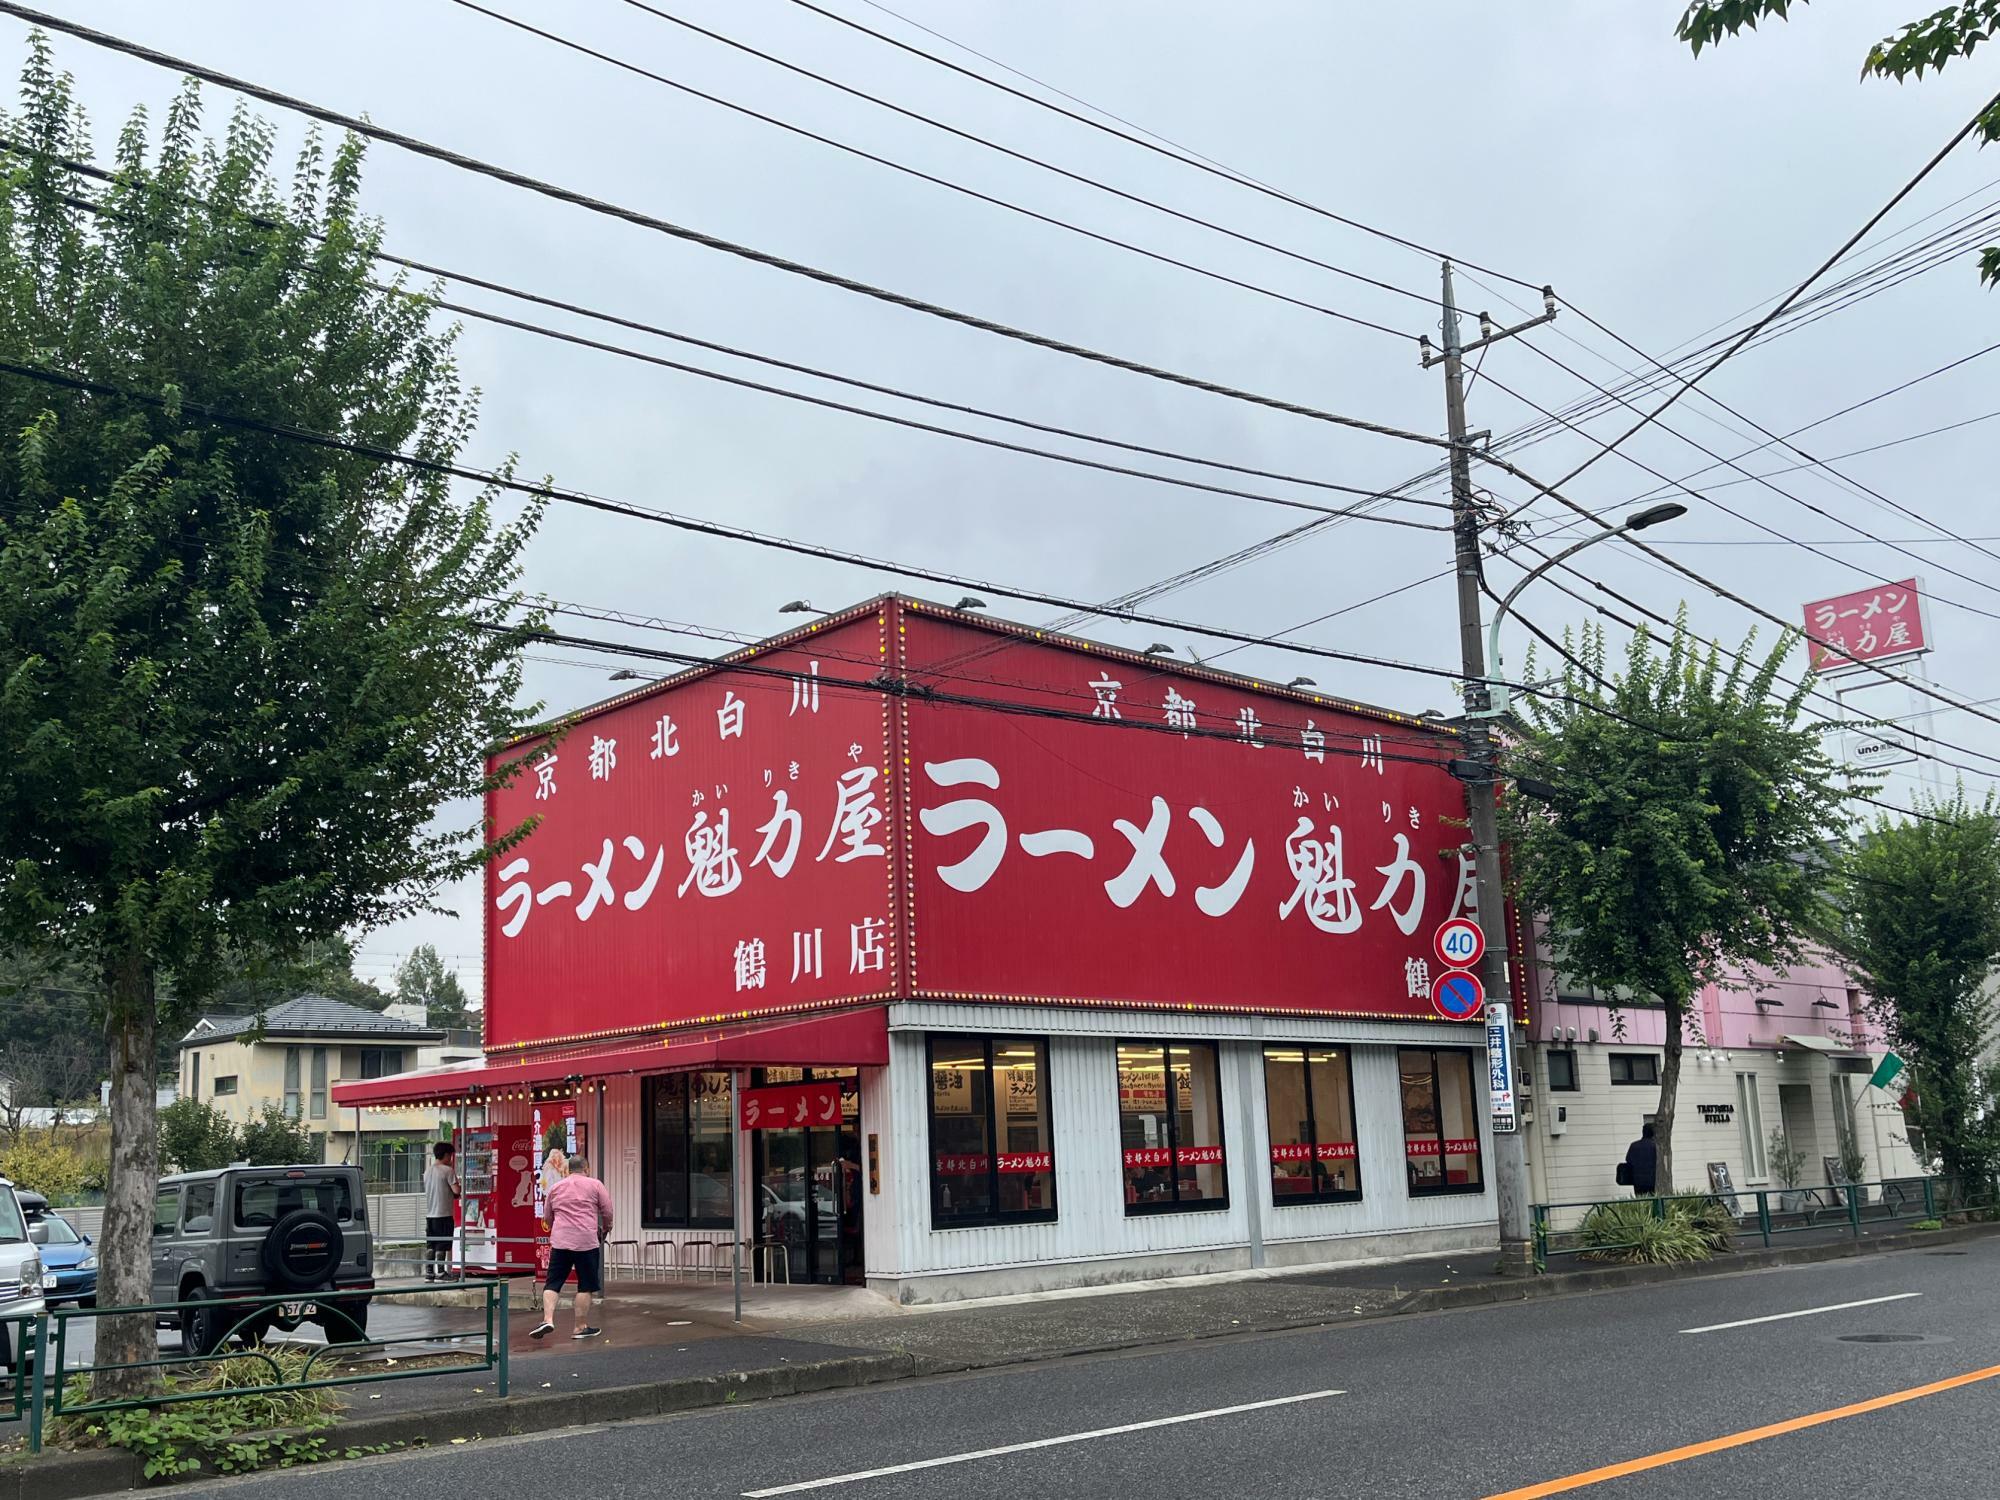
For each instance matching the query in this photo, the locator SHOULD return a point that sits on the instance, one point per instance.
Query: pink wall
(1813, 999)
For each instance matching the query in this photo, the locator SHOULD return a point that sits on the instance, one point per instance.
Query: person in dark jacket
(1642, 1163)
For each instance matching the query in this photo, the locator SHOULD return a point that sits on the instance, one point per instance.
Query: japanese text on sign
(1874, 624)
(791, 1107)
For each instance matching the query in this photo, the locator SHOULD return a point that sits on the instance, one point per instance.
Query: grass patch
(1635, 1234)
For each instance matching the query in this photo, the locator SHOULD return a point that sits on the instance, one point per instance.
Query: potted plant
(1788, 1165)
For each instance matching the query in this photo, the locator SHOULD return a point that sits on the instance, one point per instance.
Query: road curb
(71, 1476)
(1612, 1278)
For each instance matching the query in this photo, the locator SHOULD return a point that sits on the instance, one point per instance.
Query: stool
(622, 1256)
(775, 1259)
(690, 1254)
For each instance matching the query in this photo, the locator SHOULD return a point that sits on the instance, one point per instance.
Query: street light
(970, 602)
(626, 674)
(1159, 648)
(1498, 699)
(798, 607)
(1298, 682)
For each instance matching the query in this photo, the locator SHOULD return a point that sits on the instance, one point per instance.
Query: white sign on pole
(1888, 741)
(1500, 1068)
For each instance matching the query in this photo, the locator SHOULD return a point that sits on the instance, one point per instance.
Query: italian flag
(1892, 1075)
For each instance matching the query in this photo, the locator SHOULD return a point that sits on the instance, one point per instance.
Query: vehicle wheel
(202, 1325)
(344, 1322)
(87, 1301)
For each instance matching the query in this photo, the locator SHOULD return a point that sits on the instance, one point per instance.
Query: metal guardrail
(44, 1394)
(1773, 1212)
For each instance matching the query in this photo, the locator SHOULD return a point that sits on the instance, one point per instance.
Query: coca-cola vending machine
(497, 1167)
(554, 1127)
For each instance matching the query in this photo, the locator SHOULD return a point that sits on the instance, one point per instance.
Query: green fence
(1766, 1215)
(43, 1393)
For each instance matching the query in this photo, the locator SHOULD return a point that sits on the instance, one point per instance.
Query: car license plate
(48, 1281)
(297, 1309)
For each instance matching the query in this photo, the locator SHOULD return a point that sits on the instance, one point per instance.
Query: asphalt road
(1473, 1403)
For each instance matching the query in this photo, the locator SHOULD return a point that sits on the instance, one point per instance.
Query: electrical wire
(636, 325)
(964, 135)
(639, 219)
(500, 480)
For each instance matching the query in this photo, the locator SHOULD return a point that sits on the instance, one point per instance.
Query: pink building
(1789, 1054)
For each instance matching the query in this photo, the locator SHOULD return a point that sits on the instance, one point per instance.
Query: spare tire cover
(302, 1251)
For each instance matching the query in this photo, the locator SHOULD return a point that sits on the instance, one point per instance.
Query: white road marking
(1054, 1442)
(1804, 1312)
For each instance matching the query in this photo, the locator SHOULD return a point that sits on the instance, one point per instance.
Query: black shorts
(438, 1232)
(588, 1265)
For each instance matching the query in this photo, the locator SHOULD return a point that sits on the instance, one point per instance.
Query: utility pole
(1510, 1164)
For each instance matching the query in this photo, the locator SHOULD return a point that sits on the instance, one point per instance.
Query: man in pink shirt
(579, 1221)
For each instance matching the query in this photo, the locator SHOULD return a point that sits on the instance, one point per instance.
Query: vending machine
(553, 1126)
(499, 1196)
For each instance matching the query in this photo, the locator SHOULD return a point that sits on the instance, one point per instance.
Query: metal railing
(1764, 1214)
(53, 1388)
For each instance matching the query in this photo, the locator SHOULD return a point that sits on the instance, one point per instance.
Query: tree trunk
(1670, 1085)
(125, 1250)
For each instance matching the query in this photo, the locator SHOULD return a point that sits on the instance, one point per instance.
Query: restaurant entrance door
(808, 1187)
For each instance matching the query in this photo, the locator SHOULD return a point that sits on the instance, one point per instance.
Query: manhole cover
(1881, 1338)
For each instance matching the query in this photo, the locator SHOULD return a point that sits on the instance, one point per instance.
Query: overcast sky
(1575, 144)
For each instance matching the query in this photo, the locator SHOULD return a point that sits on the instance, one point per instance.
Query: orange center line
(1741, 1439)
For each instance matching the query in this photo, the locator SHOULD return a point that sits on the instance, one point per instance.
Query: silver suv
(242, 1231)
(20, 1273)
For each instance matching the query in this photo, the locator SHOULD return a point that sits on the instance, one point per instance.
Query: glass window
(1562, 1070)
(1309, 1106)
(200, 1215)
(1440, 1121)
(166, 1210)
(1170, 1127)
(318, 1098)
(293, 1099)
(992, 1149)
(260, 1204)
(1750, 1120)
(1635, 1068)
(381, 1062)
(226, 1084)
(61, 1231)
(686, 1139)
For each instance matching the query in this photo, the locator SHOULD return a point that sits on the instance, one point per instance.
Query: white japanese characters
(545, 778)
(1107, 691)
(664, 743)
(603, 758)
(805, 690)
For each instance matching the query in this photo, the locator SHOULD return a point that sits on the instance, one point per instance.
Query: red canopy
(856, 1038)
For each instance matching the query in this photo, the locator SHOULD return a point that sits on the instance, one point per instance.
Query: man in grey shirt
(440, 1196)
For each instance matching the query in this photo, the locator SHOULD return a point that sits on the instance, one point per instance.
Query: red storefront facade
(1142, 952)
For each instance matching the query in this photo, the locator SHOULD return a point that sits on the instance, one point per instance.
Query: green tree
(275, 1139)
(1918, 918)
(255, 982)
(1682, 839)
(195, 1137)
(1923, 45)
(422, 979)
(239, 673)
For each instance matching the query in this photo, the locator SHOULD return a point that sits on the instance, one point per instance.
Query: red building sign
(794, 1106)
(908, 802)
(1872, 624)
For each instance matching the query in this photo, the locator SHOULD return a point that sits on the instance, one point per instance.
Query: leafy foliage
(275, 1139)
(1919, 921)
(1682, 841)
(422, 979)
(35, 1159)
(239, 673)
(1634, 1233)
(1923, 45)
(1788, 1162)
(1707, 1216)
(195, 1137)
(245, 1426)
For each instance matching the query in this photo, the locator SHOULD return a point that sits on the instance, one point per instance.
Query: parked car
(20, 1278)
(69, 1260)
(241, 1231)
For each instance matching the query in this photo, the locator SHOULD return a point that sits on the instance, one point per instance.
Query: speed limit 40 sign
(1460, 944)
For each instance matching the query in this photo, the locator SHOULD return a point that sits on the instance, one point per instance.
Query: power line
(965, 135)
(571, 196)
(506, 481)
(637, 325)
(1181, 154)
(1689, 383)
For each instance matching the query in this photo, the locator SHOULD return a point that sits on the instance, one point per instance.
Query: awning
(847, 1039)
(1824, 1044)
